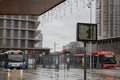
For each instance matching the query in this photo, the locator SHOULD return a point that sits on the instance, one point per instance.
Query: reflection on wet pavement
(106, 75)
(42, 74)
(52, 74)
(15, 75)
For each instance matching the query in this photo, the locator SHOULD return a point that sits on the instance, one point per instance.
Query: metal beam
(27, 7)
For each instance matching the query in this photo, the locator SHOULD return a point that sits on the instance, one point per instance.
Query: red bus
(102, 59)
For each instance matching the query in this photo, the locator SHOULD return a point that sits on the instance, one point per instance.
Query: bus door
(92, 60)
(95, 60)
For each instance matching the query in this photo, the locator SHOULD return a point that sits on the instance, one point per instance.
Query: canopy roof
(27, 7)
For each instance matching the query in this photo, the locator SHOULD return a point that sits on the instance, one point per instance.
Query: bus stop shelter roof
(27, 7)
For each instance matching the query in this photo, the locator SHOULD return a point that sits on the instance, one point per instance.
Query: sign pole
(86, 32)
(85, 67)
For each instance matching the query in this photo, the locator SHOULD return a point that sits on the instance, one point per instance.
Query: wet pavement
(61, 74)
(106, 74)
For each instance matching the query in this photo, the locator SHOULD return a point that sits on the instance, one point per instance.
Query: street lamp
(90, 45)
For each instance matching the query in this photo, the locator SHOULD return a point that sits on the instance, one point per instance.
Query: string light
(63, 9)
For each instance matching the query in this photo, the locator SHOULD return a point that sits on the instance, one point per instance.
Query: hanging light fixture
(63, 9)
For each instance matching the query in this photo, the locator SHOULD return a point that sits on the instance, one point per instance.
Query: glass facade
(4, 31)
(19, 31)
(26, 33)
(15, 31)
(12, 31)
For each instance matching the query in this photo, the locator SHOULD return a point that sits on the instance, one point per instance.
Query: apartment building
(108, 18)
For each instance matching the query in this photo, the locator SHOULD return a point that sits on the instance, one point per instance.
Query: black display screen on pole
(86, 32)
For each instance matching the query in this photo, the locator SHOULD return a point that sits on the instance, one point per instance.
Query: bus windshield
(15, 58)
(110, 60)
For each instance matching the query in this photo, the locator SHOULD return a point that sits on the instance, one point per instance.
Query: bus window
(110, 60)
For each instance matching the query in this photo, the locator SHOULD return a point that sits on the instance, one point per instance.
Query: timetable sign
(86, 32)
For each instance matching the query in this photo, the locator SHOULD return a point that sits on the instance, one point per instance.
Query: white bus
(16, 59)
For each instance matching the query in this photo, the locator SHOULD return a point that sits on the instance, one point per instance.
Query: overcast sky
(63, 30)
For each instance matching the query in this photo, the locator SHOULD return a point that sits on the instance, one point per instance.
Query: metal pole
(54, 46)
(43, 59)
(68, 62)
(35, 58)
(98, 62)
(92, 35)
(27, 60)
(90, 22)
(90, 60)
(85, 61)
(90, 57)
(91, 11)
